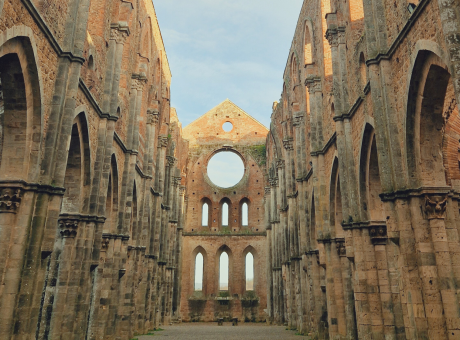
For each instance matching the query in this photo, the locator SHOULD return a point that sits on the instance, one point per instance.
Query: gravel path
(210, 331)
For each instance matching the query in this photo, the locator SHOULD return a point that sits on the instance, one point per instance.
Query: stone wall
(92, 193)
(362, 194)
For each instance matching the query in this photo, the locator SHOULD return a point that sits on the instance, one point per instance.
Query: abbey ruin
(347, 215)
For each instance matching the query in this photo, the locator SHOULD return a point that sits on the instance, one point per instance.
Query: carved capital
(378, 234)
(280, 164)
(341, 249)
(105, 242)
(68, 228)
(332, 37)
(176, 181)
(298, 120)
(138, 84)
(267, 190)
(162, 141)
(273, 181)
(10, 200)
(152, 117)
(435, 206)
(182, 190)
(288, 143)
(313, 84)
(171, 160)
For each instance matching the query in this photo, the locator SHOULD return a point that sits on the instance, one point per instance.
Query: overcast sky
(235, 49)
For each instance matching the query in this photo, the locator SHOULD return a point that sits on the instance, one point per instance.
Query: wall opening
(249, 271)
(225, 214)
(223, 271)
(245, 214)
(204, 215)
(199, 269)
(225, 169)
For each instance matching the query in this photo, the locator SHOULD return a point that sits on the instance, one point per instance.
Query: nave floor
(210, 331)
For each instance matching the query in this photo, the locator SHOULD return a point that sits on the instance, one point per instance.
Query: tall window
(223, 271)
(225, 214)
(244, 214)
(204, 215)
(307, 46)
(199, 266)
(249, 271)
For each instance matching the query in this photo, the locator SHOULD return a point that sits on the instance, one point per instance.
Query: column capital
(435, 206)
(152, 116)
(10, 200)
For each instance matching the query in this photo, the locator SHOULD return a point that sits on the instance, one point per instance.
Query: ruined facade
(211, 238)
(91, 193)
(363, 173)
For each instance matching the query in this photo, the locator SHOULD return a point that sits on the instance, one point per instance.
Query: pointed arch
(244, 212)
(224, 272)
(335, 197)
(134, 221)
(199, 274)
(250, 269)
(206, 212)
(308, 43)
(21, 119)
(369, 177)
(111, 207)
(425, 122)
(225, 217)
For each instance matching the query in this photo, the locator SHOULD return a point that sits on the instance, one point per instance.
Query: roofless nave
(344, 224)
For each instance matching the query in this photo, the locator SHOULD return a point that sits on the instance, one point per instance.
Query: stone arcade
(348, 208)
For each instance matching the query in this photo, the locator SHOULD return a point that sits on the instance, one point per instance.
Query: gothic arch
(426, 121)
(22, 121)
(256, 269)
(335, 198)
(369, 177)
(224, 248)
(111, 207)
(202, 251)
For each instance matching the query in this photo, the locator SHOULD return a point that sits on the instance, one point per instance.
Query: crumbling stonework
(363, 173)
(91, 192)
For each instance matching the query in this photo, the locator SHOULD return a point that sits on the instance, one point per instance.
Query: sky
(219, 49)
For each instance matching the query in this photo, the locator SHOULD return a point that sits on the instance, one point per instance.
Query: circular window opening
(225, 169)
(227, 126)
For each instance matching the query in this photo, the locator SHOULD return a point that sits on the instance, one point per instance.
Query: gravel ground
(210, 331)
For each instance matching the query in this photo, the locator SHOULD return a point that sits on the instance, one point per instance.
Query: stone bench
(234, 321)
(220, 321)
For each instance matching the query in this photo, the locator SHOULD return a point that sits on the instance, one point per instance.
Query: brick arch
(256, 269)
(208, 201)
(195, 252)
(228, 201)
(231, 284)
(22, 127)
(425, 122)
(240, 215)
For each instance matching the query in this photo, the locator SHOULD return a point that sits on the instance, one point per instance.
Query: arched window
(223, 271)
(199, 267)
(249, 271)
(205, 215)
(91, 62)
(225, 214)
(308, 56)
(245, 214)
(362, 69)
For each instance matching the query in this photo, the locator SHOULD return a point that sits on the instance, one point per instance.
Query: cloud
(220, 49)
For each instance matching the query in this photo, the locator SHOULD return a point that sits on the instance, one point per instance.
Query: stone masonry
(91, 189)
(352, 194)
(363, 173)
